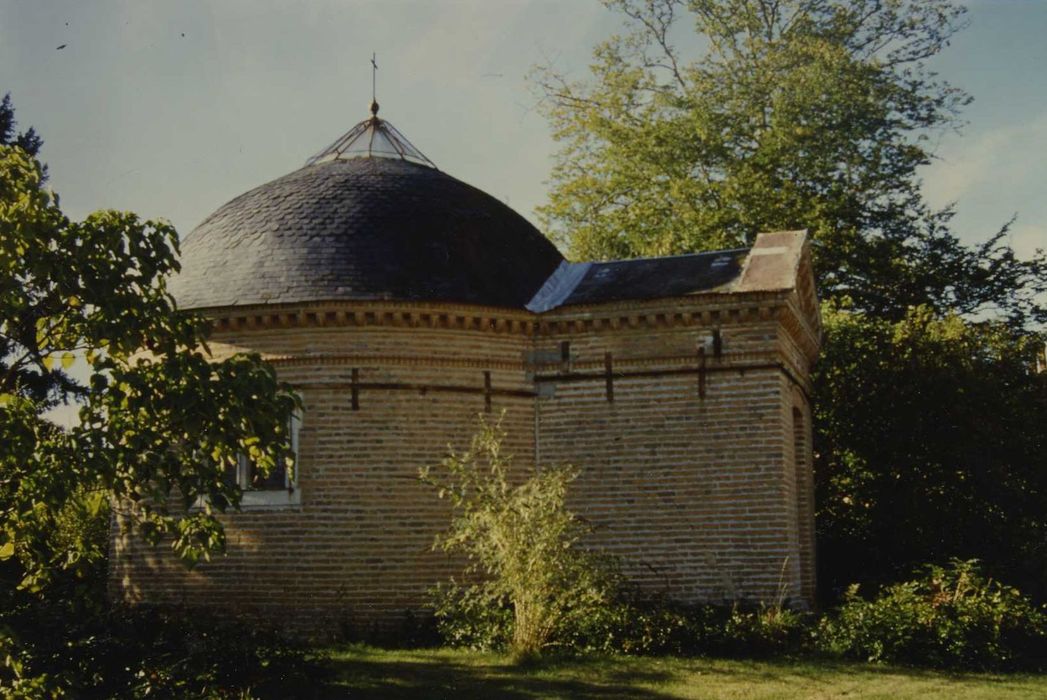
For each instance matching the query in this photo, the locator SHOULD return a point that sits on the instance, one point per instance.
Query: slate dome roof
(363, 226)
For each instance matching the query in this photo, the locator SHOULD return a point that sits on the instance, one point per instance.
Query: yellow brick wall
(700, 495)
(696, 493)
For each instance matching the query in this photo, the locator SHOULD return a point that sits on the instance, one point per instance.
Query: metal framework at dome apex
(372, 138)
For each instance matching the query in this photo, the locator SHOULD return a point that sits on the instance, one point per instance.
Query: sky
(171, 109)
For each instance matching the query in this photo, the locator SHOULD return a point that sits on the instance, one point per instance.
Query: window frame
(262, 499)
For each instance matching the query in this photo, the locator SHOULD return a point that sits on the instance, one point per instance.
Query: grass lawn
(367, 672)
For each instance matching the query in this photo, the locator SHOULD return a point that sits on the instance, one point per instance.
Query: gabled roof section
(777, 262)
(372, 138)
(639, 278)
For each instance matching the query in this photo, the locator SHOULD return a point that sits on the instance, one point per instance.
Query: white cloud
(1027, 238)
(991, 176)
(987, 160)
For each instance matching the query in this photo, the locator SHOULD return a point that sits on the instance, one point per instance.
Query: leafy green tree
(931, 445)
(811, 114)
(522, 542)
(159, 419)
(39, 384)
(818, 114)
(29, 141)
(160, 422)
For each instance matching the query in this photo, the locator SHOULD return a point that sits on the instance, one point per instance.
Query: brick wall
(688, 449)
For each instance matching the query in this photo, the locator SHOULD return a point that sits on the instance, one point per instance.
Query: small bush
(632, 625)
(658, 626)
(949, 617)
(523, 545)
(764, 631)
(469, 617)
(414, 630)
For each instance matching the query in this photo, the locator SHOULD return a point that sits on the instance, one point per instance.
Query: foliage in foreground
(950, 617)
(631, 624)
(522, 544)
(86, 317)
(160, 420)
(147, 653)
(638, 625)
(65, 641)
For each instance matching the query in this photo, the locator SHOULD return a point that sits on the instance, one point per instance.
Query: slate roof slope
(640, 278)
(365, 225)
(775, 263)
(367, 229)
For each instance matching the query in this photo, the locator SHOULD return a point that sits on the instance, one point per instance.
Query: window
(280, 487)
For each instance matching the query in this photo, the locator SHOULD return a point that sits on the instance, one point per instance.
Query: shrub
(763, 631)
(949, 617)
(413, 630)
(631, 625)
(635, 625)
(147, 653)
(469, 616)
(523, 548)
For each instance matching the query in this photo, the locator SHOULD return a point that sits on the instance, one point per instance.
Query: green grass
(368, 672)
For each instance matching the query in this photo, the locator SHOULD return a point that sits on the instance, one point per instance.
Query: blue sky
(171, 109)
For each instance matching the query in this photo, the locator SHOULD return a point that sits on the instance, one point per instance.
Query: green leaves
(798, 114)
(929, 444)
(520, 537)
(159, 419)
(948, 617)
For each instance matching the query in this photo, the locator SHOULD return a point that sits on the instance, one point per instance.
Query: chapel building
(401, 303)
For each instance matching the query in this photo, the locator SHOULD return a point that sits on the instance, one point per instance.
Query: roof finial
(374, 73)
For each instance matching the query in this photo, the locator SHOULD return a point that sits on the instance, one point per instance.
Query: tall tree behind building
(818, 114)
(811, 114)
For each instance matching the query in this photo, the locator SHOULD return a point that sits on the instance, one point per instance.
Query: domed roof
(367, 226)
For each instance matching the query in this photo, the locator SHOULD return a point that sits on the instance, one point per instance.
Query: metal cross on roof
(374, 77)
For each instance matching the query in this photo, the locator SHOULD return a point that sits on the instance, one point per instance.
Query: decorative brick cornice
(367, 360)
(700, 310)
(734, 359)
(359, 314)
(795, 323)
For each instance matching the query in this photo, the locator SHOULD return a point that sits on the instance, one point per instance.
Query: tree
(811, 114)
(930, 442)
(40, 385)
(160, 421)
(818, 114)
(521, 540)
(29, 141)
